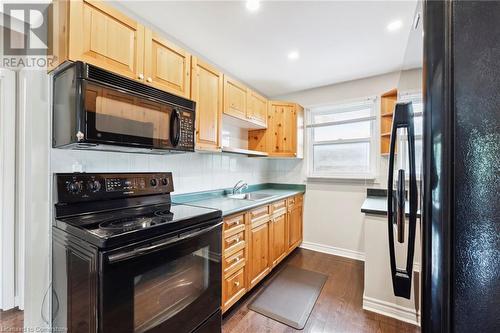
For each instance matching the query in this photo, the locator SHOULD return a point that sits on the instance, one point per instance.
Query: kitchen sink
(250, 196)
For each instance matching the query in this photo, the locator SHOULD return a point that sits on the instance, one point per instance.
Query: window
(341, 140)
(418, 107)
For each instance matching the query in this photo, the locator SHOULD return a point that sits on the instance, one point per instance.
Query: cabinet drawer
(234, 243)
(234, 224)
(234, 288)
(234, 262)
(259, 213)
(278, 206)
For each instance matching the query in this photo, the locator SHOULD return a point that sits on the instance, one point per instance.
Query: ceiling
(337, 40)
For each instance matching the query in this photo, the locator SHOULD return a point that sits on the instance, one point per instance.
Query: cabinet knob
(237, 283)
(149, 79)
(140, 76)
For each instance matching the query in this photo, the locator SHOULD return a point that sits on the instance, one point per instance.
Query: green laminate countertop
(218, 199)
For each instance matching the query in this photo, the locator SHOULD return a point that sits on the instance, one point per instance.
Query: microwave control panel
(186, 140)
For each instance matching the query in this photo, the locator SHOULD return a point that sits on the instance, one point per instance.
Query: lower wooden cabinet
(254, 242)
(294, 226)
(279, 244)
(258, 252)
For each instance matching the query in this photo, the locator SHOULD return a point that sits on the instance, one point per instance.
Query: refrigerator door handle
(401, 278)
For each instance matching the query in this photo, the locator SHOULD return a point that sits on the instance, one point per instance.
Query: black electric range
(126, 259)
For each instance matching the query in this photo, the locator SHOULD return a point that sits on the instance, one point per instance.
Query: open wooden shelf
(387, 103)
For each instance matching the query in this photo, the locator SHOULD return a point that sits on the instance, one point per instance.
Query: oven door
(169, 285)
(116, 117)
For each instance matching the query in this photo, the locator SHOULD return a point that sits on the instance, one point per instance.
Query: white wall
(191, 171)
(33, 206)
(333, 221)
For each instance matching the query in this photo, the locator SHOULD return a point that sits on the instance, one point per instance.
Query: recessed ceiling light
(394, 25)
(253, 5)
(293, 55)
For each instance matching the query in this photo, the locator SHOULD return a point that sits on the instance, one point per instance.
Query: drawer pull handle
(235, 240)
(237, 283)
(237, 259)
(237, 222)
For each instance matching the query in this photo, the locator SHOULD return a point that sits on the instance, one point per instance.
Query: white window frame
(344, 106)
(406, 96)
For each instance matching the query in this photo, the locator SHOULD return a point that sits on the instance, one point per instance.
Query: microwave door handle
(401, 278)
(140, 251)
(175, 127)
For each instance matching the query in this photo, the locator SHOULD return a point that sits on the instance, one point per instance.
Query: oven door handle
(140, 251)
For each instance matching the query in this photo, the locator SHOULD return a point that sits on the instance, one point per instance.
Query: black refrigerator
(461, 167)
(459, 190)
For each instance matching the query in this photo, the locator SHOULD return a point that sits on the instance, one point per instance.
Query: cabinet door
(257, 108)
(282, 130)
(206, 91)
(258, 253)
(235, 98)
(104, 37)
(294, 227)
(166, 66)
(278, 239)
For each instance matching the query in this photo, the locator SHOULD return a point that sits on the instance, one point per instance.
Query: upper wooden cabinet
(257, 108)
(93, 32)
(284, 134)
(166, 66)
(206, 91)
(235, 98)
(244, 104)
(104, 37)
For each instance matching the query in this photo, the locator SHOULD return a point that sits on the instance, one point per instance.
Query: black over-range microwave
(97, 109)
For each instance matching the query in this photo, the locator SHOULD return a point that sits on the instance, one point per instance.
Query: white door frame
(7, 189)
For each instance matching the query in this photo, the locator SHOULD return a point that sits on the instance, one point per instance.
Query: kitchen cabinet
(244, 104)
(235, 98)
(254, 242)
(279, 246)
(93, 32)
(234, 260)
(258, 249)
(294, 222)
(206, 90)
(102, 36)
(257, 108)
(166, 66)
(284, 134)
(387, 103)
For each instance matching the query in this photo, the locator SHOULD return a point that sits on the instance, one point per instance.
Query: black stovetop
(129, 225)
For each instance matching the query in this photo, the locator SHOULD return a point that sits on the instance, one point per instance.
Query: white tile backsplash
(191, 171)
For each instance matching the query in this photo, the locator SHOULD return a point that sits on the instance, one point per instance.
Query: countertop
(217, 199)
(376, 203)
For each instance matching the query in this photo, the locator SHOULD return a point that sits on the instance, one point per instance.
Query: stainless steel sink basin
(250, 196)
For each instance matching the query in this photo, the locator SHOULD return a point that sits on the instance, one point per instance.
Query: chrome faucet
(240, 185)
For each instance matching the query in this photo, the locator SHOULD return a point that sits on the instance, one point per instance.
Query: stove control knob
(74, 187)
(94, 186)
(153, 182)
(164, 181)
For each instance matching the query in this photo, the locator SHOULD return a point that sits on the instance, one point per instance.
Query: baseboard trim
(391, 310)
(333, 250)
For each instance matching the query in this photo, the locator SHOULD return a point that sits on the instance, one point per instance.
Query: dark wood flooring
(338, 309)
(11, 320)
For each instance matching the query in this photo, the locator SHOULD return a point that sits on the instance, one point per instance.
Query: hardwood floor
(11, 320)
(338, 309)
